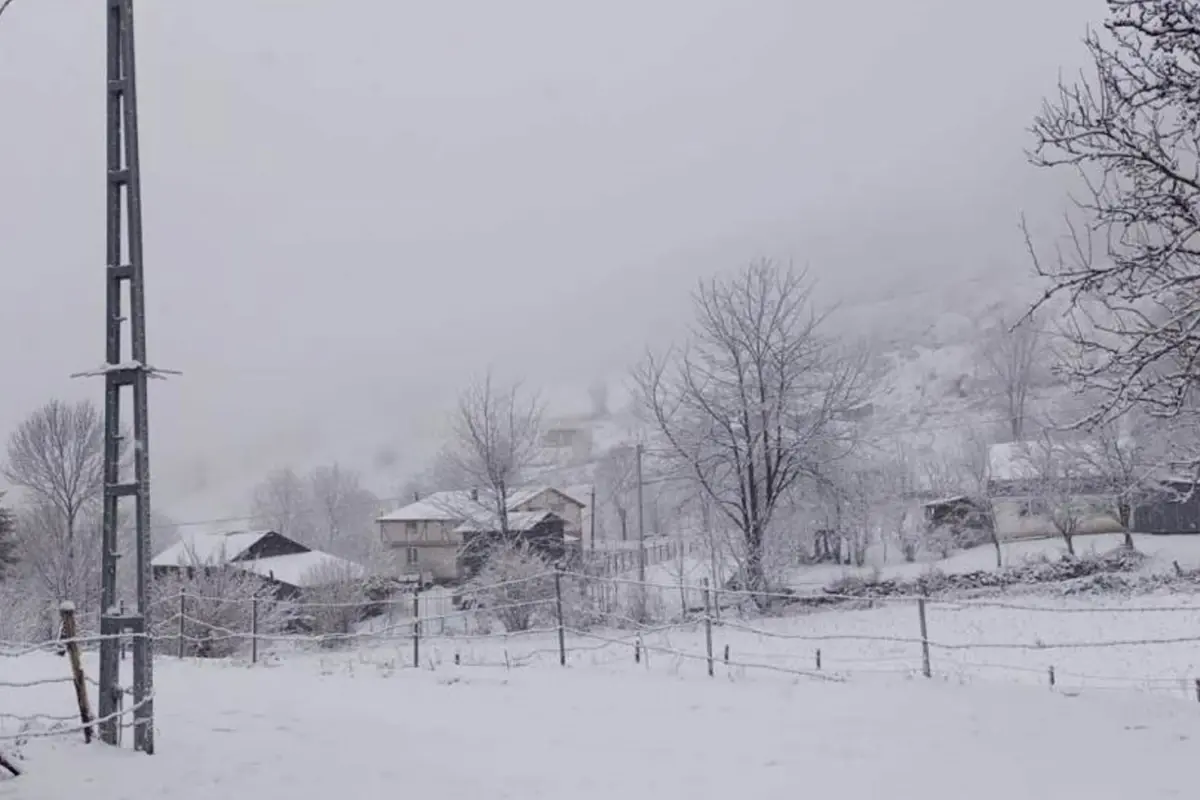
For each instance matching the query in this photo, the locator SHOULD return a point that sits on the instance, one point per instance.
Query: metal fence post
(925, 667)
(416, 631)
(254, 630)
(182, 612)
(708, 625)
(562, 641)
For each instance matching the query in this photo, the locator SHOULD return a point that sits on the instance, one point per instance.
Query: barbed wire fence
(574, 618)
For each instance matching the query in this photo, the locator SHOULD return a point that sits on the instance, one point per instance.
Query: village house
(287, 567)
(432, 530)
(1028, 480)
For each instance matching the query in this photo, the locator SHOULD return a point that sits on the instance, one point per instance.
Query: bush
(336, 601)
(217, 610)
(515, 587)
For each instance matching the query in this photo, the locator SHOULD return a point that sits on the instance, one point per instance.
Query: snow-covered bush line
(1108, 572)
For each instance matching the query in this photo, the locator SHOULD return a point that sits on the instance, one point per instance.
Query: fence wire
(608, 621)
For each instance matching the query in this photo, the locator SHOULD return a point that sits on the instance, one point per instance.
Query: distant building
(542, 531)
(432, 531)
(1022, 494)
(1024, 482)
(284, 565)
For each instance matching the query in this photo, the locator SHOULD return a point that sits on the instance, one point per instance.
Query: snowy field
(347, 726)
(508, 721)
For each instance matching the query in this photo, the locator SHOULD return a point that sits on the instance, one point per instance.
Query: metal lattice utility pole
(124, 270)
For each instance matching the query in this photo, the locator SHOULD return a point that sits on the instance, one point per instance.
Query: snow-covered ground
(497, 716)
(350, 726)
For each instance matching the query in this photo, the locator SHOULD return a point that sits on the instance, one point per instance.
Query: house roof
(581, 493)
(1018, 461)
(207, 549)
(518, 521)
(307, 569)
(457, 504)
(520, 497)
(304, 570)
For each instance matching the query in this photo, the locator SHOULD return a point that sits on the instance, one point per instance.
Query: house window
(411, 556)
(1033, 507)
(410, 530)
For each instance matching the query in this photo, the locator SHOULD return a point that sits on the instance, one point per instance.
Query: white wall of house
(429, 547)
(1022, 518)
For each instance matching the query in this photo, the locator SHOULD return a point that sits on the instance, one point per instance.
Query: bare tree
(282, 502)
(56, 456)
(496, 437)
(1012, 355)
(616, 479)
(51, 557)
(8, 539)
(344, 509)
(4, 4)
(1125, 456)
(1129, 132)
(756, 401)
(1062, 478)
(974, 462)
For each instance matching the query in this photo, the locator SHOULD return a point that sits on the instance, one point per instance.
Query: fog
(353, 207)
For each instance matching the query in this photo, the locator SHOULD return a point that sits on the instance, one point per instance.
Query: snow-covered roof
(304, 570)
(581, 493)
(1019, 461)
(458, 504)
(520, 497)
(204, 549)
(517, 521)
(441, 506)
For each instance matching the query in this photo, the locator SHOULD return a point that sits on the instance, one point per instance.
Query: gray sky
(352, 206)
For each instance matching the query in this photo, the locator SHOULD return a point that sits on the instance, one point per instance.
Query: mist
(352, 208)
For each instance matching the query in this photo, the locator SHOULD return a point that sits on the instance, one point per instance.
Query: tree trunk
(1070, 540)
(624, 526)
(996, 544)
(756, 576)
(1124, 512)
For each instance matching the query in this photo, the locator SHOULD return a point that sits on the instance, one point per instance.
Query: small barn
(542, 531)
(1175, 509)
(283, 564)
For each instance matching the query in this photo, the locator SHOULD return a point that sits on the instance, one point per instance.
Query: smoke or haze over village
(350, 208)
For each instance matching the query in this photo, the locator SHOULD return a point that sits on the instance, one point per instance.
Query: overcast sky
(353, 206)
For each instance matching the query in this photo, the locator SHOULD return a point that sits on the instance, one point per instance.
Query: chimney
(416, 497)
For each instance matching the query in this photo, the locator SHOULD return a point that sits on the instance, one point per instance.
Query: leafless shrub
(335, 600)
(515, 587)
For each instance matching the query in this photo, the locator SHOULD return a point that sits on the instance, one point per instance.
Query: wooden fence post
(416, 630)
(708, 626)
(254, 630)
(70, 634)
(925, 666)
(562, 641)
